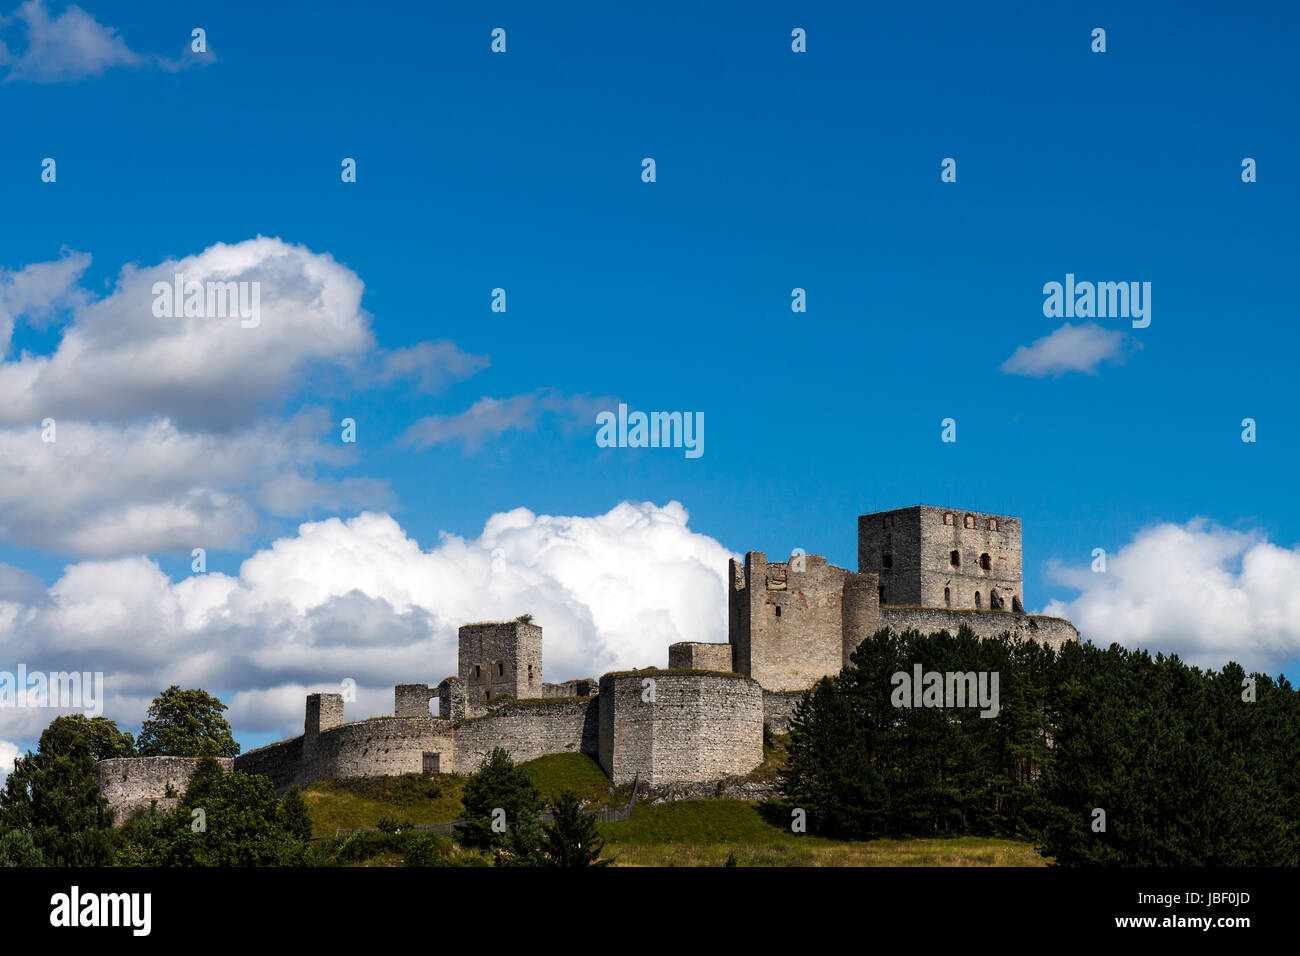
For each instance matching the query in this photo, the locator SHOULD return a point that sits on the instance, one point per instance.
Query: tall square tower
(502, 659)
(943, 557)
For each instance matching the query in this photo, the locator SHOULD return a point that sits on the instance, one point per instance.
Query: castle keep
(788, 625)
(937, 557)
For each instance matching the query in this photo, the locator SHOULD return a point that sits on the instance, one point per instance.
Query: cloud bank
(146, 432)
(1208, 593)
(360, 599)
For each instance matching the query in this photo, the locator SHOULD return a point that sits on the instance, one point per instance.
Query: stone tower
(501, 660)
(324, 712)
(943, 557)
(791, 623)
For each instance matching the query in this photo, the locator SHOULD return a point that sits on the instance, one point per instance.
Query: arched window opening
(986, 562)
(947, 597)
(993, 524)
(995, 600)
(778, 610)
(949, 518)
(954, 558)
(969, 521)
(1016, 605)
(886, 561)
(977, 599)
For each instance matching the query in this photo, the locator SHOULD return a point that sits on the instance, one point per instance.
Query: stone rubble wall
(1052, 631)
(131, 782)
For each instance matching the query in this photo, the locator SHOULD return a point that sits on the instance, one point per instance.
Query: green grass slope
(681, 833)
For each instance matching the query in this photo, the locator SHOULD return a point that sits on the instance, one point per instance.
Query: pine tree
(53, 796)
(502, 808)
(573, 840)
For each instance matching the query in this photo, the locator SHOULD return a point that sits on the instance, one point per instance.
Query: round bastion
(679, 726)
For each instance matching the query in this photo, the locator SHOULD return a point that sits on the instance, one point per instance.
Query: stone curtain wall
(699, 727)
(131, 782)
(387, 746)
(529, 730)
(778, 708)
(582, 687)
(1053, 631)
(279, 762)
(383, 746)
(691, 655)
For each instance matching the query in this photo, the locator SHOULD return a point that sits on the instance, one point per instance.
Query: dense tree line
(51, 810)
(1101, 756)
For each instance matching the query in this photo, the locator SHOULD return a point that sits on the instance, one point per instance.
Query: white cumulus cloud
(118, 360)
(360, 599)
(1207, 593)
(139, 431)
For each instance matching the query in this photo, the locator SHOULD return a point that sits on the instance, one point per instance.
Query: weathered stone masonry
(693, 656)
(131, 782)
(385, 746)
(930, 568)
(675, 726)
(1052, 631)
(501, 660)
(789, 624)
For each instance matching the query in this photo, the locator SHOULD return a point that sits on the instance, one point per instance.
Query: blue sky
(775, 170)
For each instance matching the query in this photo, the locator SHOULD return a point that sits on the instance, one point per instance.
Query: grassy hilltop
(680, 833)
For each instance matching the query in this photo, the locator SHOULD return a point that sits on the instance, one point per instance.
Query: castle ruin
(700, 720)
